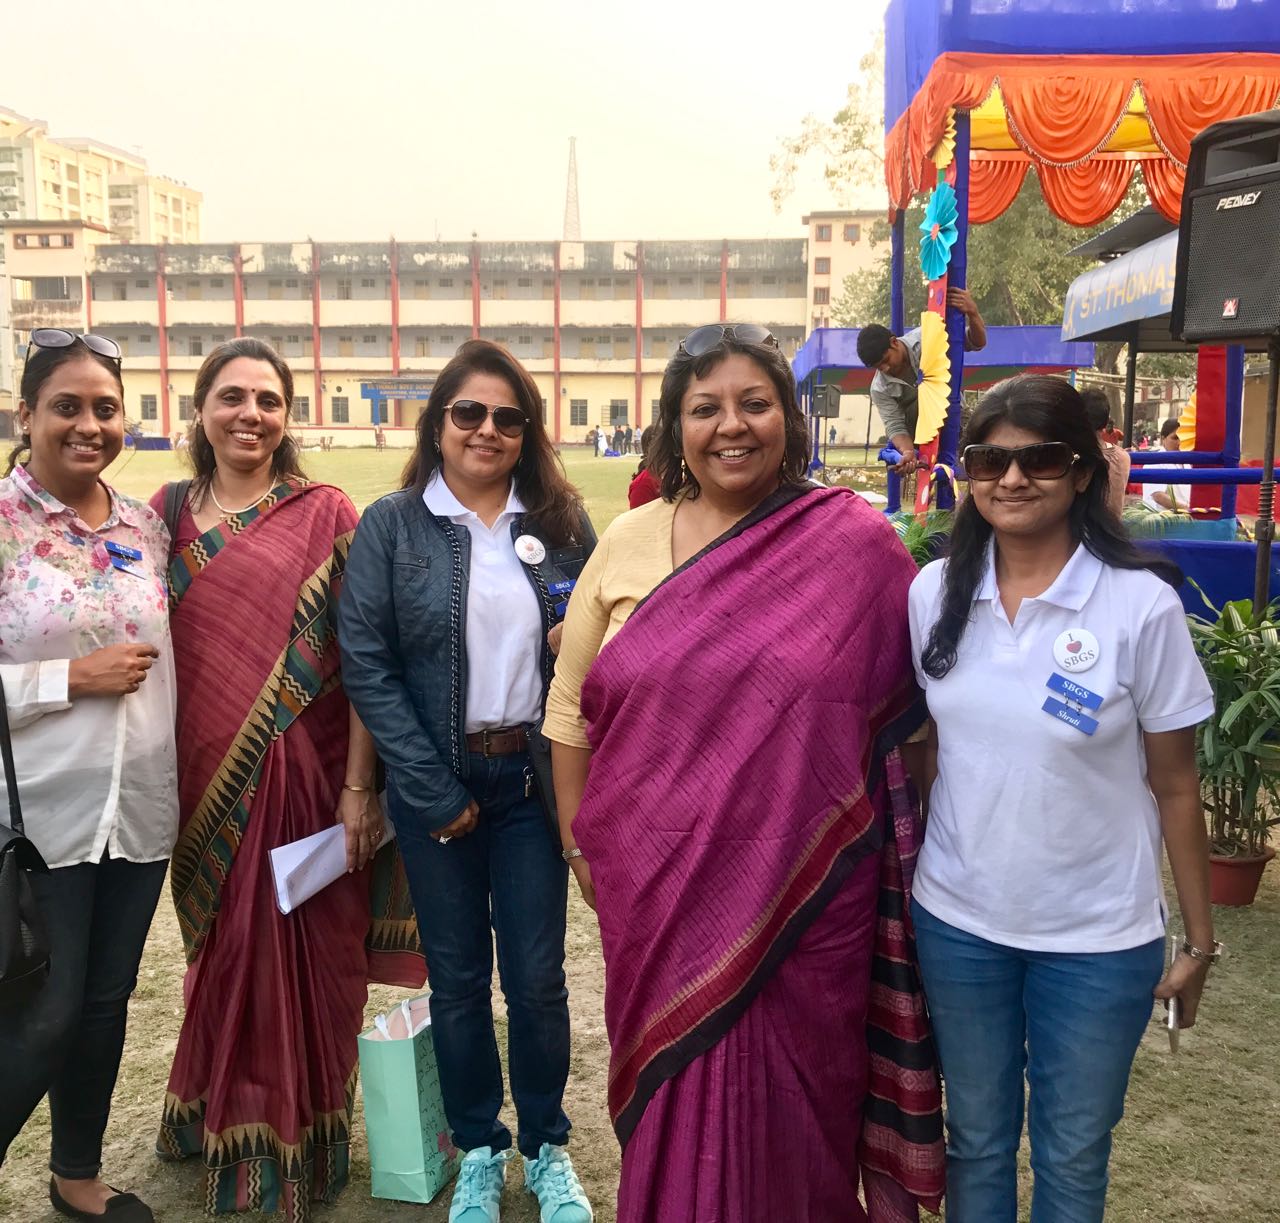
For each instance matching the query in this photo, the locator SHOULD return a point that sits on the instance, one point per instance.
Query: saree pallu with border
(748, 825)
(263, 1080)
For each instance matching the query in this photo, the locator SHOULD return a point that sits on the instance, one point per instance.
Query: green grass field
(367, 474)
(1198, 1143)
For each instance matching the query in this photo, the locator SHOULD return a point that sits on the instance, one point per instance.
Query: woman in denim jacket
(452, 587)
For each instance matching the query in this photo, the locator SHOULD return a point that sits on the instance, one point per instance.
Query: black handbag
(24, 943)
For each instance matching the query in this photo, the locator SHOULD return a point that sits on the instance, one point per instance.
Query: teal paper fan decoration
(939, 231)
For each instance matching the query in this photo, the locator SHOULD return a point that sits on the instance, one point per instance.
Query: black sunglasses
(469, 414)
(704, 339)
(57, 337)
(1042, 461)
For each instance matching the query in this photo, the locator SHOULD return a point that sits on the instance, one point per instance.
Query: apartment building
(594, 322)
(46, 178)
(839, 245)
(43, 178)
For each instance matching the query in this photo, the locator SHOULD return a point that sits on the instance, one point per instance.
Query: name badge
(125, 566)
(123, 552)
(1074, 692)
(561, 608)
(562, 588)
(1072, 717)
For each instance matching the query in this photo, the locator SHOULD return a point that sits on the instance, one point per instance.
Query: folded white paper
(303, 868)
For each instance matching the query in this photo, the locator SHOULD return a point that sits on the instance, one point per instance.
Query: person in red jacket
(644, 487)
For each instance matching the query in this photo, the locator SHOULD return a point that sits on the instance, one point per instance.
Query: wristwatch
(1197, 953)
(569, 854)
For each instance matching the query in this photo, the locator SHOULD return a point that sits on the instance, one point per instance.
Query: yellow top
(632, 557)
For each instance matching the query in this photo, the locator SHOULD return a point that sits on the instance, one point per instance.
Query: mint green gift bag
(410, 1152)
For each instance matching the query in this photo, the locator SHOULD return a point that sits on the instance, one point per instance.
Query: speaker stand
(1266, 528)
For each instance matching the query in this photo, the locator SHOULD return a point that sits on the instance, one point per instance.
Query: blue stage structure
(941, 63)
(829, 357)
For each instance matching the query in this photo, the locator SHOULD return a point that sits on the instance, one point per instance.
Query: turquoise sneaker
(552, 1180)
(478, 1193)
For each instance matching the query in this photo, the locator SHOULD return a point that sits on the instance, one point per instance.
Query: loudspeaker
(1228, 270)
(826, 401)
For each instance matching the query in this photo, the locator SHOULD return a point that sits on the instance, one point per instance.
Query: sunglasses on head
(704, 339)
(57, 337)
(469, 414)
(1042, 461)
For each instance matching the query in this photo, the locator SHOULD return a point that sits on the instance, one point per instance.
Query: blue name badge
(124, 553)
(1074, 692)
(1072, 717)
(562, 588)
(561, 608)
(125, 566)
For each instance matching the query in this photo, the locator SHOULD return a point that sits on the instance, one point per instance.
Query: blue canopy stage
(830, 357)
(1083, 92)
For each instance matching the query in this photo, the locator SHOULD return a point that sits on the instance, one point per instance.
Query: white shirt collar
(1071, 588)
(440, 500)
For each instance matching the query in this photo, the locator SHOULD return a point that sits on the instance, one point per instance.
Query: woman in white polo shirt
(1064, 694)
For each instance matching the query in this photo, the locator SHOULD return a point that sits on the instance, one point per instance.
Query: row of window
(852, 232)
(421, 288)
(25, 241)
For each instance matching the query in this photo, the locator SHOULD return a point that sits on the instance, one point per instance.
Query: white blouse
(97, 773)
(504, 624)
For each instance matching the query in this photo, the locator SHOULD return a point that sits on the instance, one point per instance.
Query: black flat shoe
(123, 1208)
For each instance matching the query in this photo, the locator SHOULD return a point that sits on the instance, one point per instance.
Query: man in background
(896, 360)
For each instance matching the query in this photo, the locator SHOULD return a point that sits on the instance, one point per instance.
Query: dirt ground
(1197, 1145)
(174, 1190)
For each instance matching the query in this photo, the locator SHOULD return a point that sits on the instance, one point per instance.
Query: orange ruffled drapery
(1062, 112)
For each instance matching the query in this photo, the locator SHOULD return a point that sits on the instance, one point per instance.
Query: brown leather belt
(505, 741)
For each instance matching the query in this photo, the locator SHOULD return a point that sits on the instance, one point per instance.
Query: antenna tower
(572, 223)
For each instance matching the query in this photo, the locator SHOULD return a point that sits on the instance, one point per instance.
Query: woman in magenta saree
(748, 835)
(263, 1080)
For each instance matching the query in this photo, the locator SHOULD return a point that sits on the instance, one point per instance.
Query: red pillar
(475, 290)
(639, 335)
(724, 280)
(237, 264)
(162, 334)
(318, 414)
(1211, 432)
(395, 308)
(556, 389)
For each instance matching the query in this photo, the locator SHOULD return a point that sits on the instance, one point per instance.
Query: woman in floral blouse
(87, 666)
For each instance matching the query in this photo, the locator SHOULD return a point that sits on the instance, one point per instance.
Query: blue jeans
(1071, 1024)
(508, 873)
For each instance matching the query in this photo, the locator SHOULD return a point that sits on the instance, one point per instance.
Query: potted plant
(925, 536)
(1238, 749)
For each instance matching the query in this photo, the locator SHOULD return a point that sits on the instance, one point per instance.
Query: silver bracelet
(569, 854)
(1197, 953)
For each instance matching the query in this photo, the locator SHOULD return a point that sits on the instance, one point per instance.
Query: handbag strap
(10, 771)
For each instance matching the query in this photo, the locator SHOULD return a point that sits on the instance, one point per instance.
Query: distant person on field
(831, 435)
(896, 360)
(1175, 497)
(1097, 409)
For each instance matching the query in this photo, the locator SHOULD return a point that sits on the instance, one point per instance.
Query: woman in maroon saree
(264, 1075)
(733, 685)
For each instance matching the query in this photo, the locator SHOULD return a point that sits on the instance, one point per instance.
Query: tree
(1018, 266)
(851, 144)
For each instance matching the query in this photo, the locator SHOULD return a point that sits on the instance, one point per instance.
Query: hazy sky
(360, 119)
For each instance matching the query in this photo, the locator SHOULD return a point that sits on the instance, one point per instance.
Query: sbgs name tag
(1074, 717)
